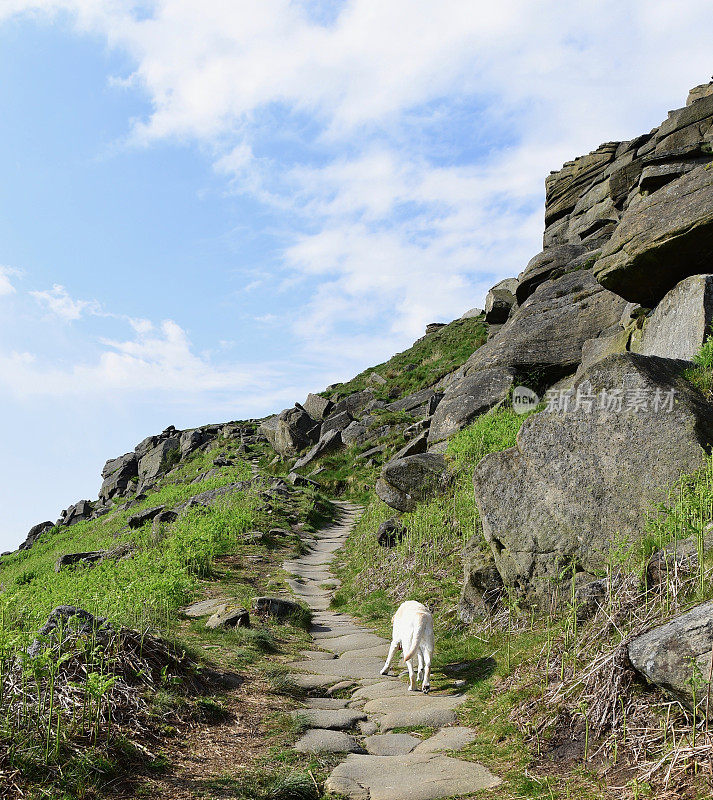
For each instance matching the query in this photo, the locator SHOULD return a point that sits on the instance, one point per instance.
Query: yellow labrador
(413, 633)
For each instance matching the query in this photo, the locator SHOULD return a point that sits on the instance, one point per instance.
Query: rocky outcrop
(482, 584)
(582, 475)
(499, 301)
(468, 398)
(682, 320)
(295, 431)
(118, 475)
(34, 534)
(317, 407)
(545, 335)
(330, 442)
(406, 481)
(677, 656)
(662, 239)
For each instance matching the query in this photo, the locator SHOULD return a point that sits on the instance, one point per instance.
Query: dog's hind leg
(426, 684)
(420, 666)
(411, 676)
(392, 650)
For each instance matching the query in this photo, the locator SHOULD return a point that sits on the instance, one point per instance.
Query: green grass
(144, 592)
(701, 375)
(427, 564)
(423, 364)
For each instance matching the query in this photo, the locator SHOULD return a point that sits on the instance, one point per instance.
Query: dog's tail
(418, 633)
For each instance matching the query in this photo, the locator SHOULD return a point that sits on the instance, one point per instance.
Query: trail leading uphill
(380, 765)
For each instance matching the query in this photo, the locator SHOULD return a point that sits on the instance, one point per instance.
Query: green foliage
(701, 376)
(423, 364)
(426, 564)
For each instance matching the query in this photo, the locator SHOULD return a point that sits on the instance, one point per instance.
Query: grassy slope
(204, 553)
(517, 662)
(423, 364)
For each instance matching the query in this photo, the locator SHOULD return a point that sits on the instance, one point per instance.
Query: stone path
(345, 656)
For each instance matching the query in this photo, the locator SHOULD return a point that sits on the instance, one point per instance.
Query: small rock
(390, 744)
(319, 740)
(229, 617)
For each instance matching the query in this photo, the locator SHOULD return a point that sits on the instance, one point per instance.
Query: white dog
(413, 633)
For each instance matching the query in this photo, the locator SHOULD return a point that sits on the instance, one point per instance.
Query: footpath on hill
(363, 710)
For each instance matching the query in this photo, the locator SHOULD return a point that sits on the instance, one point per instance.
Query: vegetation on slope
(557, 711)
(431, 358)
(102, 705)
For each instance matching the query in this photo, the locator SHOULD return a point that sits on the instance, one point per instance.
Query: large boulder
(417, 403)
(406, 481)
(295, 431)
(156, 461)
(336, 422)
(356, 403)
(677, 656)
(499, 301)
(34, 534)
(79, 512)
(317, 407)
(682, 320)
(268, 428)
(544, 336)
(119, 475)
(660, 240)
(327, 444)
(482, 584)
(584, 473)
(468, 398)
(191, 440)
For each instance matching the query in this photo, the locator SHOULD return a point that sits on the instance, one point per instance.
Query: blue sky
(208, 209)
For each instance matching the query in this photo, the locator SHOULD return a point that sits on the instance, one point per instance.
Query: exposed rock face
(580, 477)
(295, 431)
(566, 187)
(551, 263)
(118, 474)
(547, 332)
(154, 459)
(468, 398)
(482, 585)
(408, 480)
(317, 407)
(681, 321)
(499, 301)
(327, 444)
(677, 655)
(661, 239)
(34, 534)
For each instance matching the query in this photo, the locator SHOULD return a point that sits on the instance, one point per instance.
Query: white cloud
(404, 143)
(58, 301)
(6, 286)
(156, 361)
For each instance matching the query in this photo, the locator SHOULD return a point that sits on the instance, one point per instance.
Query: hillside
(562, 544)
